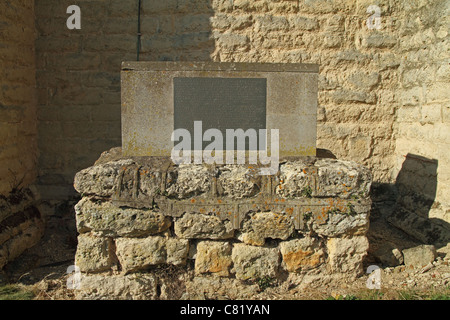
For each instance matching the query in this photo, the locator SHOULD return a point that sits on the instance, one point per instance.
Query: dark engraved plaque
(220, 103)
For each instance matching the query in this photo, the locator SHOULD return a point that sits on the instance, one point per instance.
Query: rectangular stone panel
(158, 97)
(220, 103)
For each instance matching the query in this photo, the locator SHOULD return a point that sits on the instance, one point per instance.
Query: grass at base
(15, 292)
(409, 294)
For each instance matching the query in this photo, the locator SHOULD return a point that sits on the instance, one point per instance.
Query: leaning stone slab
(139, 253)
(21, 224)
(262, 225)
(202, 226)
(27, 236)
(117, 287)
(106, 219)
(17, 202)
(419, 256)
(252, 262)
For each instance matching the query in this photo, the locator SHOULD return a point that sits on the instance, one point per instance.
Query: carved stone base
(138, 214)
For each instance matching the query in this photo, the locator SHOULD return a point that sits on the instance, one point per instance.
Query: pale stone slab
(148, 102)
(419, 256)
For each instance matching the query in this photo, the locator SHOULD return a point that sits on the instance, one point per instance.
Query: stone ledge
(157, 177)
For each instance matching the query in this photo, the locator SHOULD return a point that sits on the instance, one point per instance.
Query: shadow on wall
(416, 186)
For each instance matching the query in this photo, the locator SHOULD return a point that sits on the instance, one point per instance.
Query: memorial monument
(227, 222)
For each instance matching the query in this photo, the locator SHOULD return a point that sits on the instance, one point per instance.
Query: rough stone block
(201, 226)
(294, 180)
(135, 254)
(236, 181)
(419, 256)
(138, 253)
(267, 23)
(335, 178)
(177, 251)
(345, 255)
(303, 23)
(342, 179)
(339, 224)
(94, 254)
(302, 254)
(364, 80)
(262, 225)
(192, 180)
(378, 40)
(106, 219)
(252, 262)
(213, 257)
(117, 287)
(99, 180)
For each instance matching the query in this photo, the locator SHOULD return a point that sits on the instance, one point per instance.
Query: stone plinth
(140, 214)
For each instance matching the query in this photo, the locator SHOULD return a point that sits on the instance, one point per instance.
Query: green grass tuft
(15, 292)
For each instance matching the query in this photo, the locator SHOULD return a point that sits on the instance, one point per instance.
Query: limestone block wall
(222, 225)
(18, 125)
(358, 70)
(383, 93)
(78, 74)
(78, 70)
(422, 128)
(20, 222)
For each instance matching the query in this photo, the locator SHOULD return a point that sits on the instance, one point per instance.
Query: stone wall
(422, 129)
(78, 70)
(357, 75)
(18, 125)
(78, 74)
(382, 93)
(217, 223)
(20, 222)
